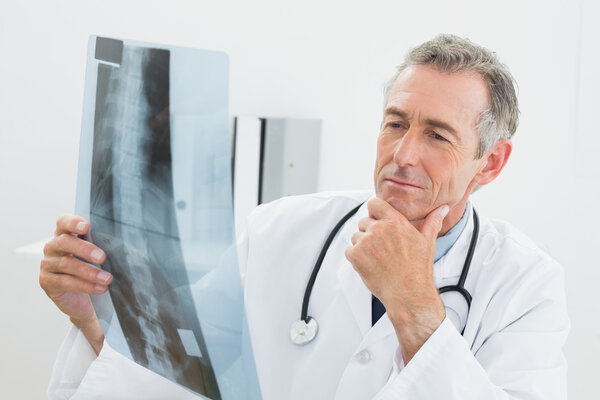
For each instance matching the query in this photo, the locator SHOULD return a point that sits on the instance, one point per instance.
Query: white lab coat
(511, 348)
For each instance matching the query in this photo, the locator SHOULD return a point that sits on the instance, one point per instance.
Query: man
(384, 331)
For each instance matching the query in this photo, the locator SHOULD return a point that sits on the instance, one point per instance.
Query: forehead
(423, 92)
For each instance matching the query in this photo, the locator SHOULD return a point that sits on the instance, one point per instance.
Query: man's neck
(454, 215)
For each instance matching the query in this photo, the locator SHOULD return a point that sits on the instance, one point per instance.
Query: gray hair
(453, 54)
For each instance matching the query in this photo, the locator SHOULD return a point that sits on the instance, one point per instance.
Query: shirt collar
(444, 243)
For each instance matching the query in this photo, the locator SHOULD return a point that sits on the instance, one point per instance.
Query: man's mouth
(403, 183)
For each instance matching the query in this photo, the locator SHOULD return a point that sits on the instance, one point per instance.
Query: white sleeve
(521, 360)
(443, 368)
(79, 374)
(74, 358)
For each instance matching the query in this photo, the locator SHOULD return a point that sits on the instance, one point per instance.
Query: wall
(311, 59)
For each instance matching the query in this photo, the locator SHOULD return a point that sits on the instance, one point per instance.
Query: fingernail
(103, 276)
(80, 227)
(99, 288)
(444, 211)
(97, 254)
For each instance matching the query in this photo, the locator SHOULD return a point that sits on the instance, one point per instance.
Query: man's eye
(437, 136)
(395, 125)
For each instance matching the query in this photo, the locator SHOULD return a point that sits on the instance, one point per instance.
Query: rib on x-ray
(154, 181)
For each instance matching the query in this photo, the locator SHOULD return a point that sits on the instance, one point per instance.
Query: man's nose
(407, 150)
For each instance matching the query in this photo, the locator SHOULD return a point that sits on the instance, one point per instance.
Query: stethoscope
(305, 329)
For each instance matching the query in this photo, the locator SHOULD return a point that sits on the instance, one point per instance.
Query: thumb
(433, 222)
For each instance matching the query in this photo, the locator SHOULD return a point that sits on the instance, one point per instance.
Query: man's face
(428, 140)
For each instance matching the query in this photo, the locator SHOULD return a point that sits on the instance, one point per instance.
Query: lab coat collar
(358, 295)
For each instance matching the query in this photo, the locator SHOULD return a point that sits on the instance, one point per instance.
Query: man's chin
(409, 209)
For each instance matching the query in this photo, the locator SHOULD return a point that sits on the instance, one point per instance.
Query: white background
(308, 59)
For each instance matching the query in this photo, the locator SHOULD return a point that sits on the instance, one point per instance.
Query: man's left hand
(395, 261)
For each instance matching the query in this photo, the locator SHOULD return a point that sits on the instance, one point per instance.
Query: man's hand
(395, 261)
(69, 281)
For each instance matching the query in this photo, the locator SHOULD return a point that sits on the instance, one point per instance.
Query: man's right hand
(69, 281)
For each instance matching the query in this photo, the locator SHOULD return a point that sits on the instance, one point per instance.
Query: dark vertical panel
(261, 174)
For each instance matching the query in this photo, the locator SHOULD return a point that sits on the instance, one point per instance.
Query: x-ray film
(154, 180)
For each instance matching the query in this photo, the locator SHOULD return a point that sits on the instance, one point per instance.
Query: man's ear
(495, 161)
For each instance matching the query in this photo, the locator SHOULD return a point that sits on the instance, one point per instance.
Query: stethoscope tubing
(313, 276)
(459, 287)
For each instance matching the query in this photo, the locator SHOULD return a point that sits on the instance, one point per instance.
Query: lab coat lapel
(381, 330)
(359, 299)
(356, 293)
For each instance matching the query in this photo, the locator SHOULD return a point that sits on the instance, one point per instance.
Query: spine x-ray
(154, 180)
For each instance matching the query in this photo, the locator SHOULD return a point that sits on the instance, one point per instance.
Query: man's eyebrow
(396, 111)
(428, 121)
(442, 125)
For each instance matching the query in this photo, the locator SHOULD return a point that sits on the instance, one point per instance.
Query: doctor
(384, 331)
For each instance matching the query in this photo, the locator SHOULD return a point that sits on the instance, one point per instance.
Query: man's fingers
(434, 221)
(68, 244)
(365, 223)
(348, 253)
(356, 237)
(55, 284)
(69, 223)
(70, 265)
(381, 209)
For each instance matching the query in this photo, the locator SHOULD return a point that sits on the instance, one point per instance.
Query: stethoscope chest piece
(303, 332)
